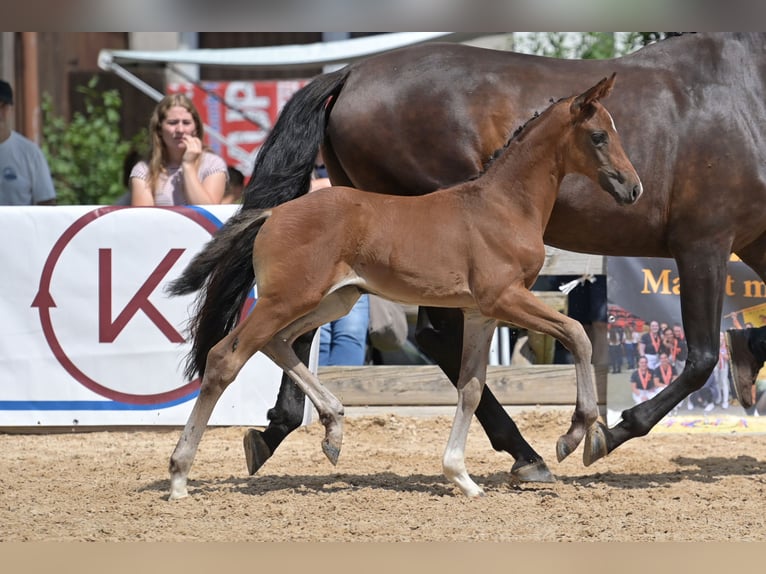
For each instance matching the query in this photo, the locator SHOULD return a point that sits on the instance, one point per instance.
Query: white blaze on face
(611, 119)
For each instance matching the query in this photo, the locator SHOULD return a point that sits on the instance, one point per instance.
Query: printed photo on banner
(648, 348)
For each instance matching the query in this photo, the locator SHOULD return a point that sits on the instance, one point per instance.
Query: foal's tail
(223, 270)
(229, 257)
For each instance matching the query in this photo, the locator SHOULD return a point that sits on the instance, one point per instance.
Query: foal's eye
(599, 138)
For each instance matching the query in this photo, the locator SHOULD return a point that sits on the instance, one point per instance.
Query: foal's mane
(515, 135)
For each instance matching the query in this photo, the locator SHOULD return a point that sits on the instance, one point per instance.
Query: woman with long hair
(180, 169)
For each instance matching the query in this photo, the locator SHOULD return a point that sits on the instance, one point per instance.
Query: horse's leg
(279, 350)
(224, 361)
(186, 448)
(328, 406)
(284, 417)
(477, 333)
(440, 336)
(747, 351)
(705, 271)
(747, 347)
(520, 307)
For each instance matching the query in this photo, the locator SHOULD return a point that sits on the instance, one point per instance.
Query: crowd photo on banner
(647, 343)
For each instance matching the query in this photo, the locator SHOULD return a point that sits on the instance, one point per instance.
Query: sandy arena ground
(388, 486)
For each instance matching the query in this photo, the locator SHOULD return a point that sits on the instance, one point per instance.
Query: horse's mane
(515, 135)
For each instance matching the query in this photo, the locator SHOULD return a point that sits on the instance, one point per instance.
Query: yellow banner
(755, 315)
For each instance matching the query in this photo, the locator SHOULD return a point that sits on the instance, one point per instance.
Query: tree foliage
(585, 45)
(86, 154)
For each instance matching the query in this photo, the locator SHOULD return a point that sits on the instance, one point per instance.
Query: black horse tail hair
(286, 159)
(219, 304)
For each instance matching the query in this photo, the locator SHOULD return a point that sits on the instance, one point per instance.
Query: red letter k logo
(108, 329)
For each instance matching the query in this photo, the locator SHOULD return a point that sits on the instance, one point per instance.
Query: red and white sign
(88, 335)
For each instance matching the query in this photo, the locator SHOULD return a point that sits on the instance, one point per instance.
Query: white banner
(88, 335)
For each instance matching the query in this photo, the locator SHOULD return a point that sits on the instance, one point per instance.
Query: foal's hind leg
(328, 406)
(330, 410)
(186, 448)
(223, 363)
(287, 413)
(520, 307)
(440, 336)
(475, 354)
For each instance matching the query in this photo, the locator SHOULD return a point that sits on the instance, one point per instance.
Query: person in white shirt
(25, 178)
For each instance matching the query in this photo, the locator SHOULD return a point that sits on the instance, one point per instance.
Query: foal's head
(595, 149)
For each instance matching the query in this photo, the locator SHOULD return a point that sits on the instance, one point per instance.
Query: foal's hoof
(332, 452)
(178, 488)
(531, 472)
(564, 448)
(595, 444)
(257, 452)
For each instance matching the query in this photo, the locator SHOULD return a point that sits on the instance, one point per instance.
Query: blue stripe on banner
(88, 405)
(206, 214)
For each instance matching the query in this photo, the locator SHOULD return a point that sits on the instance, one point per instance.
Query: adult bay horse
(480, 250)
(425, 117)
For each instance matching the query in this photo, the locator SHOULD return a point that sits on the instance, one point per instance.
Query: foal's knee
(579, 342)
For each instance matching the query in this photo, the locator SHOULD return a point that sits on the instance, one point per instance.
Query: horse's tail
(229, 255)
(282, 172)
(286, 159)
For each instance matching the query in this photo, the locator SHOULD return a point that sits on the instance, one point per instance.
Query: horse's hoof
(178, 489)
(744, 365)
(563, 448)
(595, 444)
(531, 472)
(257, 452)
(477, 493)
(332, 452)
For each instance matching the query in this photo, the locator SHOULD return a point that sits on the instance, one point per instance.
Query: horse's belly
(446, 290)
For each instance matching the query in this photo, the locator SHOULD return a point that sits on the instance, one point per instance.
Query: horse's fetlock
(637, 423)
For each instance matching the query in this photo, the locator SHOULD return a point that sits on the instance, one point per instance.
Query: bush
(86, 154)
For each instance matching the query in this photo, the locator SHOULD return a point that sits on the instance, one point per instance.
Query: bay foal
(315, 256)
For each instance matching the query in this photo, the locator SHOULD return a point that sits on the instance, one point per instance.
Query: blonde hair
(158, 156)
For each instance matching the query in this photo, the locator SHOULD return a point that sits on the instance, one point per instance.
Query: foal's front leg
(440, 335)
(477, 334)
(520, 307)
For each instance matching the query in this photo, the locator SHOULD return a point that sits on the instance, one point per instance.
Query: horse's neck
(527, 175)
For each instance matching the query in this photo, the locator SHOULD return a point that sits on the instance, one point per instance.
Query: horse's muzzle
(625, 190)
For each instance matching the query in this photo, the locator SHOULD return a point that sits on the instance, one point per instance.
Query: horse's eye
(599, 138)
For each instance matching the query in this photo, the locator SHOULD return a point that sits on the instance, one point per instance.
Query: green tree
(585, 45)
(86, 154)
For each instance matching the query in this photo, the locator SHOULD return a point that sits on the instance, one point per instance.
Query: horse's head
(601, 155)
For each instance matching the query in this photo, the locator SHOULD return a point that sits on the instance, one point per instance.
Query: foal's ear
(582, 106)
